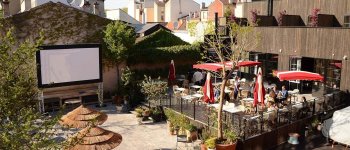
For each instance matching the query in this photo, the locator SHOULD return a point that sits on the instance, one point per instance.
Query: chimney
(102, 8)
(6, 8)
(96, 9)
(203, 5)
(87, 6)
(270, 7)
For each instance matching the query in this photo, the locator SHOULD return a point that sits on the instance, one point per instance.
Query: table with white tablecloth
(337, 128)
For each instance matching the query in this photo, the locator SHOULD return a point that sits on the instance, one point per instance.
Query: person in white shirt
(197, 78)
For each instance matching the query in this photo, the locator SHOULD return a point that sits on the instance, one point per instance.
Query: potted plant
(139, 112)
(315, 123)
(170, 119)
(211, 143)
(204, 136)
(156, 114)
(146, 113)
(230, 142)
(191, 132)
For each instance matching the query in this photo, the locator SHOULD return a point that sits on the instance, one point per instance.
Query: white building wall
(239, 10)
(184, 35)
(131, 8)
(179, 8)
(25, 5)
(118, 14)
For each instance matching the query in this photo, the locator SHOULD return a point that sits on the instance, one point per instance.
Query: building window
(330, 70)
(295, 63)
(162, 18)
(347, 21)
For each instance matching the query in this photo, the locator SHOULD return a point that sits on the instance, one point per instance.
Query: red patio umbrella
(338, 65)
(171, 75)
(298, 75)
(208, 90)
(228, 65)
(259, 90)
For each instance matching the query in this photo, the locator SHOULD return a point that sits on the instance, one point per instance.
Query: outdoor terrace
(291, 116)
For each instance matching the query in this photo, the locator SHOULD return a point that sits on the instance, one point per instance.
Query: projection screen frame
(57, 47)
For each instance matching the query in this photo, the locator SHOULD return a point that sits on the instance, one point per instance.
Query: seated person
(271, 105)
(274, 89)
(197, 78)
(284, 93)
(273, 96)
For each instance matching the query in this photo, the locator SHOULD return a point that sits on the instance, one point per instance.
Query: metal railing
(249, 125)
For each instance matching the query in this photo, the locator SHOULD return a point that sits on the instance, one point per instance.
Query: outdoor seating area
(279, 106)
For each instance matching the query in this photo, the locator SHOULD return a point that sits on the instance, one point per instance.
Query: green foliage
(231, 136)
(228, 12)
(178, 120)
(191, 127)
(165, 54)
(170, 115)
(210, 28)
(315, 122)
(160, 38)
(130, 87)
(119, 38)
(153, 88)
(128, 81)
(21, 124)
(205, 135)
(211, 143)
(191, 26)
(1, 13)
(139, 111)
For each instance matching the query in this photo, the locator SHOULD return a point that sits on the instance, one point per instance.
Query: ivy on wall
(164, 54)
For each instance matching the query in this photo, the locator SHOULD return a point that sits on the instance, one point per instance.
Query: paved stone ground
(138, 137)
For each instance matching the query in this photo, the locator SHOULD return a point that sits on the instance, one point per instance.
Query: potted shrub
(230, 142)
(191, 132)
(146, 113)
(211, 143)
(315, 124)
(139, 112)
(156, 114)
(170, 119)
(204, 136)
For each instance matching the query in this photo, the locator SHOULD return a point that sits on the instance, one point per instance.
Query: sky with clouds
(113, 4)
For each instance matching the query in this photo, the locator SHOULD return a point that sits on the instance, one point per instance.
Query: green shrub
(211, 143)
(164, 54)
(139, 112)
(191, 127)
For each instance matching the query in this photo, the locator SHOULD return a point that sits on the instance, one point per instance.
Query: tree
(119, 38)
(242, 38)
(22, 126)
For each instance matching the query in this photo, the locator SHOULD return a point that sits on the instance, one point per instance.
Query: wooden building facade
(328, 41)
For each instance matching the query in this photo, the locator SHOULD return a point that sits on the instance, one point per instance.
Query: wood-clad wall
(301, 7)
(323, 43)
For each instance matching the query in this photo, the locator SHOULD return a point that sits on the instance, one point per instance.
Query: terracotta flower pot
(226, 146)
(146, 113)
(203, 147)
(191, 136)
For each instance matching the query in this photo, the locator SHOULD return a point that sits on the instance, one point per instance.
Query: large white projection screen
(69, 65)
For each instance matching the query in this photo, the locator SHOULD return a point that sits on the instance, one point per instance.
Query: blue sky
(113, 4)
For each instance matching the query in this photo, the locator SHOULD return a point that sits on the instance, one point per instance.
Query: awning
(298, 75)
(228, 65)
